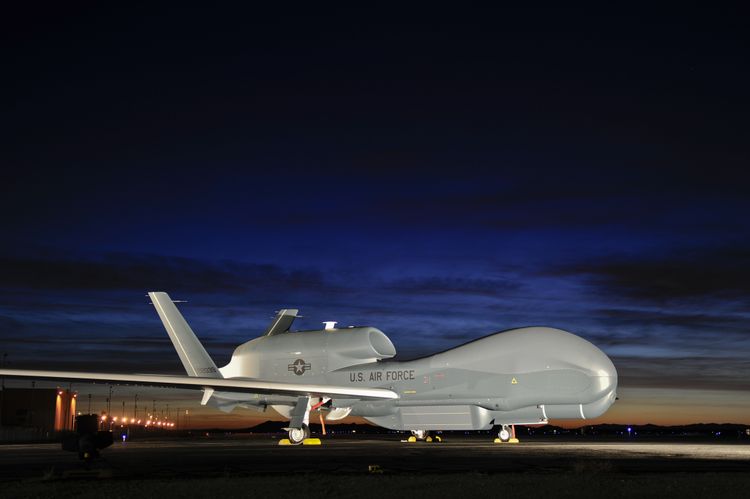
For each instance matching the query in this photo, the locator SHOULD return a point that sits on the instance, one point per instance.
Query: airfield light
(59, 392)
(114, 419)
(104, 417)
(139, 421)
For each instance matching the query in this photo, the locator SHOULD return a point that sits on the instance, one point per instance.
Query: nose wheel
(504, 434)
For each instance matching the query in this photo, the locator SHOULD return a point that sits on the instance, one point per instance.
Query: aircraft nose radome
(604, 366)
(605, 373)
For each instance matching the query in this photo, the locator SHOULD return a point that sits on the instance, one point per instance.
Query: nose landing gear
(299, 424)
(507, 435)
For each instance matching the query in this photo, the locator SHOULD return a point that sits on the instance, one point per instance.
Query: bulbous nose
(604, 373)
(604, 366)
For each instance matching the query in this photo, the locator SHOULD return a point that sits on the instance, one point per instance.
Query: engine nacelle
(308, 352)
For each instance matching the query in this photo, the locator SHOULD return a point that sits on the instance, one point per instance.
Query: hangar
(43, 409)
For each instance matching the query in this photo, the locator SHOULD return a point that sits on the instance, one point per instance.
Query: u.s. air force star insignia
(299, 367)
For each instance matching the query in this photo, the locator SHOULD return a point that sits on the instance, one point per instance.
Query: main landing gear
(424, 436)
(299, 423)
(298, 435)
(420, 434)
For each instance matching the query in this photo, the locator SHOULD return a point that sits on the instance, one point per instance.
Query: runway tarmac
(260, 454)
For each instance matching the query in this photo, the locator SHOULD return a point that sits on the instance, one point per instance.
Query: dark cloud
(703, 274)
(105, 352)
(11, 324)
(150, 272)
(578, 194)
(668, 318)
(694, 372)
(446, 285)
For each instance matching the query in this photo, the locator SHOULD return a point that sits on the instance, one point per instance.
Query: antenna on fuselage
(282, 322)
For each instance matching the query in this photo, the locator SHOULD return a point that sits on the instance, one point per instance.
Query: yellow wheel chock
(511, 441)
(307, 441)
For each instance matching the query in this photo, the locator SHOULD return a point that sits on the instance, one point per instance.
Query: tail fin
(192, 354)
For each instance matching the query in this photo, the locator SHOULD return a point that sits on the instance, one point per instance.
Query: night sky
(438, 174)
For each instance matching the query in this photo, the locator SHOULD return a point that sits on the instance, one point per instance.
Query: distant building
(43, 408)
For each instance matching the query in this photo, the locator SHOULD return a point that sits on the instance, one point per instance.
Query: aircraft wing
(243, 385)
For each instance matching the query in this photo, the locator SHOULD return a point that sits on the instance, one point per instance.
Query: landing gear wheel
(297, 435)
(504, 434)
(420, 434)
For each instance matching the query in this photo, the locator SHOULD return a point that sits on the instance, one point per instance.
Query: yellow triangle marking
(514, 381)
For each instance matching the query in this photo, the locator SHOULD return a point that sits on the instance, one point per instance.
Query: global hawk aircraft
(522, 376)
